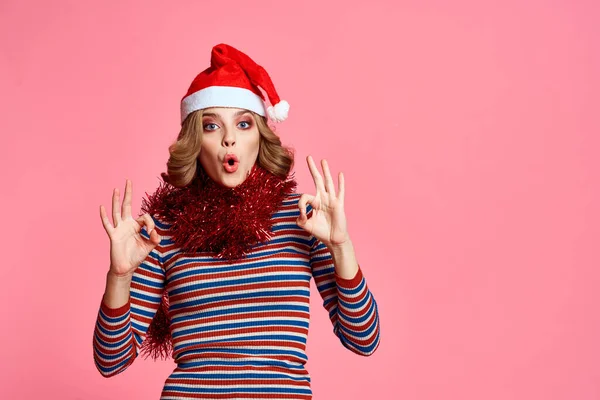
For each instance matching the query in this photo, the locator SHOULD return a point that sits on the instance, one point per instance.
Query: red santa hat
(233, 80)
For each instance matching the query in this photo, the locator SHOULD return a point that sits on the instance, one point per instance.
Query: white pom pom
(279, 112)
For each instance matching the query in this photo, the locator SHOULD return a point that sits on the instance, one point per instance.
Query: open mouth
(230, 163)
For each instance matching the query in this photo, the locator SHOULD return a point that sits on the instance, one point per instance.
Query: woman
(219, 264)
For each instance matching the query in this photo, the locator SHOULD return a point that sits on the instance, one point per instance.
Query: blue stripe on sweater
(112, 345)
(262, 337)
(241, 325)
(117, 355)
(351, 292)
(257, 295)
(232, 362)
(241, 267)
(114, 332)
(247, 375)
(234, 282)
(354, 306)
(197, 389)
(358, 320)
(244, 351)
(114, 320)
(113, 368)
(139, 279)
(240, 310)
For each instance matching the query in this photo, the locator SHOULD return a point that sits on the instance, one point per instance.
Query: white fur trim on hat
(222, 96)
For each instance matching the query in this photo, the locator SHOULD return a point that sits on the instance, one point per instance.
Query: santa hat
(233, 80)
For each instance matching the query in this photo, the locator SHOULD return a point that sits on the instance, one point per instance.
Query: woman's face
(230, 143)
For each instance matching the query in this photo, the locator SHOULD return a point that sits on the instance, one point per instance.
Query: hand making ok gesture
(328, 220)
(128, 248)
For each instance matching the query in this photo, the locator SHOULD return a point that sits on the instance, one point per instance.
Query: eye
(244, 125)
(211, 127)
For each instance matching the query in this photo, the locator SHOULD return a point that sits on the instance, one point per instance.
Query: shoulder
(288, 206)
(291, 198)
(290, 202)
(284, 220)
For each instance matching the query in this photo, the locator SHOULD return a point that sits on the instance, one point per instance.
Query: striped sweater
(239, 328)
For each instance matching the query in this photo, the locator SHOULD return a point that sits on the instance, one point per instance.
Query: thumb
(154, 240)
(302, 219)
(305, 223)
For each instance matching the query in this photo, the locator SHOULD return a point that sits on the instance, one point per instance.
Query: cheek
(254, 147)
(208, 153)
(210, 145)
(256, 144)
(256, 140)
(248, 144)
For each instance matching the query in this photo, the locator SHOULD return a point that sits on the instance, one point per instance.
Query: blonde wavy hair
(183, 161)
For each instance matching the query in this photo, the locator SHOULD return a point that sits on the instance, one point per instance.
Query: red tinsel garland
(207, 217)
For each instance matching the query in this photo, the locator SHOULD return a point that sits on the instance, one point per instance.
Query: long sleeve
(351, 306)
(119, 332)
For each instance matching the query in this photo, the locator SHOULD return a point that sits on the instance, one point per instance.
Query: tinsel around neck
(208, 217)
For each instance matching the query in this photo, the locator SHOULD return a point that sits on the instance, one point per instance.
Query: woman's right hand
(128, 248)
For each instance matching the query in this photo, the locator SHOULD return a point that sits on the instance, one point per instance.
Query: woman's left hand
(328, 221)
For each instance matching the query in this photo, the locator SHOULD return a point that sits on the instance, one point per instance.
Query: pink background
(468, 134)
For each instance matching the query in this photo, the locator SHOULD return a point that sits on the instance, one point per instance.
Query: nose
(229, 139)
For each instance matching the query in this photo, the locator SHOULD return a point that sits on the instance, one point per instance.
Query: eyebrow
(238, 113)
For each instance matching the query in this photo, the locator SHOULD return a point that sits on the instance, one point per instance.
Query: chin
(232, 180)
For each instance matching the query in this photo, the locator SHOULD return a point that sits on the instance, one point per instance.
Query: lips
(230, 163)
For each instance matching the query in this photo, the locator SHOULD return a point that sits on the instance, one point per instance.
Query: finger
(105, 221)
(116, 208)
(341, 187)
(154, 238)
(146, 220)
(304, 200)
(303, 220)
(126, 211)
(315, 174)
(328, 180)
